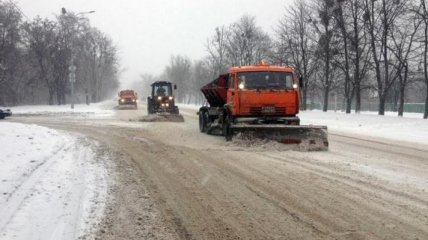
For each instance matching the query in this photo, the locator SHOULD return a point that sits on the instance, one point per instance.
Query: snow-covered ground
(54, 186)
(102, 109)
(51, 184)
(410, 128)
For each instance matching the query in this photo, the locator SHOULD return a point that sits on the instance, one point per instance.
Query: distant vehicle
(162, 99)
(128, 98)
(5, 113)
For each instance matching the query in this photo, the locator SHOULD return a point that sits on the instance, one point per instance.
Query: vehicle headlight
(122, 100)
(241, 86)
(167, 104)
(295, 86)
(133, 100)
(159, 98)
(170, 97)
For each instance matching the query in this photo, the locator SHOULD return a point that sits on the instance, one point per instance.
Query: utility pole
(72, 79)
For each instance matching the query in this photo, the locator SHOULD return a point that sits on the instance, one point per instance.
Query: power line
(19, 10)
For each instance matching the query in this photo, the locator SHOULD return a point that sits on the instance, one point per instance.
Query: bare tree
(41, 36)
(422, 11)
(247, 44)
(295, 47)
(348, 86)
(216, 47)
(10, 53)
(326, 52)
(360, 49)
(201, 75)
(403, 36)
(179, 72)
(380, 17)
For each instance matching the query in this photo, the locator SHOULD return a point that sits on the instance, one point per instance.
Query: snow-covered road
(177, 183)
(52, 184)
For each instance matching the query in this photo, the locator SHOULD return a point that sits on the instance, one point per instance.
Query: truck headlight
(159, 98)
(241, 86)
(170, 98)
(295, 86)
(122, 100)
(167, 104)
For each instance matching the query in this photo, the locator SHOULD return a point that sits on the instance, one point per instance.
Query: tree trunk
(58, 98)
(305, 99)
(325, 104)
(426, 105)
(357, 97)
(401, 101)
(425, 58)
(348, 94)
(348, 105)
(382, 104)
(51, 96)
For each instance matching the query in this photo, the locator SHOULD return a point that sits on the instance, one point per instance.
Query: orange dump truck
(262, 100)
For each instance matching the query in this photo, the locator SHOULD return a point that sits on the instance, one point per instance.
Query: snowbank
(103, 109)
(410, 128)
(51, 186)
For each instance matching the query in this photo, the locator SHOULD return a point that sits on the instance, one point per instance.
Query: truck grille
(267, 110)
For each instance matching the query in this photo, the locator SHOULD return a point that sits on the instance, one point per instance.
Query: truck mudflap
(307, 137)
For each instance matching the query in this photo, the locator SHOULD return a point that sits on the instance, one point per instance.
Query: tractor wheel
(176, 111)
(203, 121)
(227, 131)
(149, 107)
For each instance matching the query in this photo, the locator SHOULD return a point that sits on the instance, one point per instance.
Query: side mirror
(301, 82)
(175, 87)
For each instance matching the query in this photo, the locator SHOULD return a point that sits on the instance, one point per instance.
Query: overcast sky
(147, 33)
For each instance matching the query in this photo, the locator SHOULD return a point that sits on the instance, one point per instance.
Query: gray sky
(149, 32)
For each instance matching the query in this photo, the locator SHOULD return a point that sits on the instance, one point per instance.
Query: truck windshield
(265, 80)
(162, 90)
(127, 93)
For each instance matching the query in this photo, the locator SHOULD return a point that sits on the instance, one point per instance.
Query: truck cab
(128, 98)
(263, 92)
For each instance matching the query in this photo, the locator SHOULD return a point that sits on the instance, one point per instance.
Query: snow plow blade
(159, 117)
(307, 137)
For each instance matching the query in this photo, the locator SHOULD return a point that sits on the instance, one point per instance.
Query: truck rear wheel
(227, 131)
(203, 121)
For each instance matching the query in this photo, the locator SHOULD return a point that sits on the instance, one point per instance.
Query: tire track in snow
(25, 190)
(29, 176)
(62, 198)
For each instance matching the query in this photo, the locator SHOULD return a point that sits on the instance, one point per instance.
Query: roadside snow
(102, 109)
(51, 185)
(410, 128)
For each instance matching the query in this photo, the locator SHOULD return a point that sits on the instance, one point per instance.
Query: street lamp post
(72, 68)
(72, 78)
